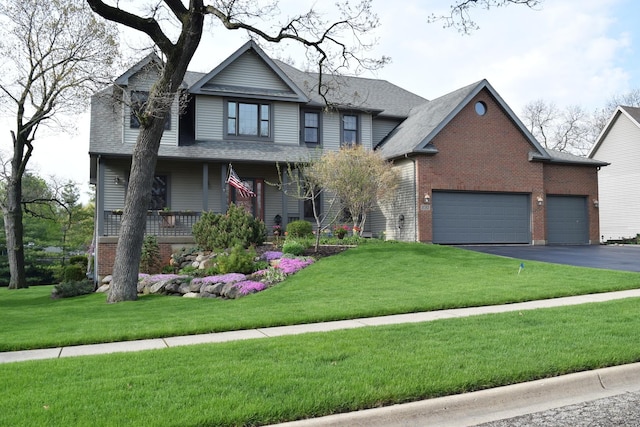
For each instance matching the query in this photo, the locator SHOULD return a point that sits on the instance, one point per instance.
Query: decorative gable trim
(295, 94)
(539, 152)
(612, 120)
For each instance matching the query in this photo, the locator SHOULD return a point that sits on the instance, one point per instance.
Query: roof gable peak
(293, 92)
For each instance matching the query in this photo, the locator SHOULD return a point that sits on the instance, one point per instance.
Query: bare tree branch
(459, 16)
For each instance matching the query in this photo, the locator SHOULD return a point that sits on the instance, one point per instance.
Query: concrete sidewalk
(159, 343)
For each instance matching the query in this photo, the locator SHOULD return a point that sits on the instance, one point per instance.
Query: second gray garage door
(473, 218)
(567, 220)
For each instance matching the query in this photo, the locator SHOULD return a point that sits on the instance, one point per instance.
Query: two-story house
(471, 172)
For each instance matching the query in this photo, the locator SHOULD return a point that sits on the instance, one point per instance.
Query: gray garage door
(464, 217)
(567, 220)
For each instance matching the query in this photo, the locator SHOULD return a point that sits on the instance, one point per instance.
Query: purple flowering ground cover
(281, 266)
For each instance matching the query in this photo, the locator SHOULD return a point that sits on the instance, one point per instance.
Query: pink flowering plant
(340, 231)
(220, 278)
(247, 287)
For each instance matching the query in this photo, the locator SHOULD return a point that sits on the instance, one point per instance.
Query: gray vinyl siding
(215, 184)
(114, 193)
(619, 183)
(209, 118)
(381, 128)
(250, 71)
(185, 185)
(386, 217)
(331, 131)
(365, 131)
(286, 123)
(143, 81)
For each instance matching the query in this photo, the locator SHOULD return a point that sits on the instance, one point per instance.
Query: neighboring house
(471, 172)
(619, 183)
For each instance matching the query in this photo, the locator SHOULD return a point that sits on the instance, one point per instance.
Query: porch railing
(178, 223)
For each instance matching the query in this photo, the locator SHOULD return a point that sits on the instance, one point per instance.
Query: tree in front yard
(358, 178)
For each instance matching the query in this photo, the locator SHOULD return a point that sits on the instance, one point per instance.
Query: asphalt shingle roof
(355, 92)
(423, 122)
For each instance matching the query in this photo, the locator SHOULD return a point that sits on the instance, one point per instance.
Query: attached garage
(479, 218)
(567, 220)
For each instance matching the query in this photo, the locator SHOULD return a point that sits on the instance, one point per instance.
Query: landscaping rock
(230, 291)
(107, 279)
(184, 288)
(172, 287)
(157, 287)
(215, 289)
(191, 295)
(103, 288)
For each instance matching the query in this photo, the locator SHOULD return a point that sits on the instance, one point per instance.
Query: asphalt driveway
(625, 258)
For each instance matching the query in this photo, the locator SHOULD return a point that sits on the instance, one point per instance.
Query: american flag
(243, 189)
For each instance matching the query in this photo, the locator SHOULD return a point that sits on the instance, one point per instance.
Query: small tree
(302, 182)
(358, 178)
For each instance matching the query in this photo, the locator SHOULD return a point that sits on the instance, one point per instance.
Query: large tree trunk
(134, 218)
(14, 232)
(126, 266)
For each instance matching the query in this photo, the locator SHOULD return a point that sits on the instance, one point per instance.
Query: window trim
(303, 127)
(134, 123)
(260, 120)
(342, 129)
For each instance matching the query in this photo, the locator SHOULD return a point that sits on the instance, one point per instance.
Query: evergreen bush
(293, 247)
(222, 231)
(238, 260)
(72, 288)
(150, 260)
(73, 273)
(299, 228)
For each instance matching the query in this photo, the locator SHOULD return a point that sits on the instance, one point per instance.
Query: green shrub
(238, 260)
(150, 260)
(188, 270)
(299, 228)
(223, 231)
(81, 260)
(293, 247)
(72, 273)
(72, 289)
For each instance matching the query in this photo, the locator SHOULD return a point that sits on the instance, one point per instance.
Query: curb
(493, 404)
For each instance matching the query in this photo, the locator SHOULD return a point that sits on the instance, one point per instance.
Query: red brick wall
(577, 181)
(107, 256)
(480, 153)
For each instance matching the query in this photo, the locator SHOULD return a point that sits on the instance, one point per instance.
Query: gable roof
(356, 93)
(632, 113)
(204, 84)
(414, 135)
(123, 80)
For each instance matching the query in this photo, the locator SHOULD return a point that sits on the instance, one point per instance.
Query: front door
(253, 205)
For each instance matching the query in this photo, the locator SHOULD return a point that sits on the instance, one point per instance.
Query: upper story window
(138, 103)
(350, 129)
(311, 127)
(248, 119)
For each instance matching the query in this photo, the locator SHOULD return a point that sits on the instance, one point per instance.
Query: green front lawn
(371, 280)
(265, 381)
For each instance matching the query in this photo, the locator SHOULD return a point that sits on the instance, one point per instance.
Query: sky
(569, 52)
